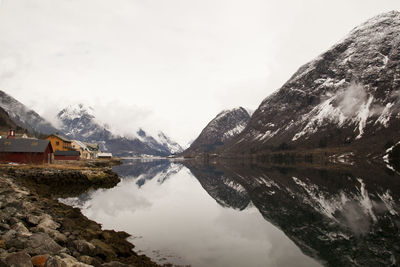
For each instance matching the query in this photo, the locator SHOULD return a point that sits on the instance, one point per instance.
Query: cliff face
(348, 96)
(225, 126)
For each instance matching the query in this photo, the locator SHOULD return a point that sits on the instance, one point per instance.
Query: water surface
(247, 215)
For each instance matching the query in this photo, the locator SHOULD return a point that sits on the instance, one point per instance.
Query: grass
(66, 165)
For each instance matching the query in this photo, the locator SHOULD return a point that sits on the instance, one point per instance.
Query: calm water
(246, 215)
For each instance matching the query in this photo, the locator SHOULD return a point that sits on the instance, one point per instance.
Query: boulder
(85, 248)
(39, 260)
(32, 219)
(21, 229)
(57, 261)
(47, 222)
(18, 259)
(115, 264)
(89, 260)
(41, 243)
(104, 249)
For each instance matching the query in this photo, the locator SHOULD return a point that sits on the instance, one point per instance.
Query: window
(57, 143)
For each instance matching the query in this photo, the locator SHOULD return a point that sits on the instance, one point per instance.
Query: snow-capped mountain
(79, 122)
(25, 117)
(225, 126)
(348, 96)
(166, 141)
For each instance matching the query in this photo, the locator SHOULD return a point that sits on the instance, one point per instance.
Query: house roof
(67, 153)
(81, 144)
(60, 137)
(92, 146)
(24, 145)
(104, 155)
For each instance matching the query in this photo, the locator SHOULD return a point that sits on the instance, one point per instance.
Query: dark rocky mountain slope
(24, 117)
(347, 97)
(225, 126)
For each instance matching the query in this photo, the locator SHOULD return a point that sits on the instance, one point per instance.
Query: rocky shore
(37, 230)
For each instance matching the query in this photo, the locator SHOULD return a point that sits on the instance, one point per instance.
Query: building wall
(66, 157)
(59, 144)
(84, 153)
(23, 157)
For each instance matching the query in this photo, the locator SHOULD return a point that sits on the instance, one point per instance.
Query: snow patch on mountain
(173, 146)
(79, 122)
(352, 105)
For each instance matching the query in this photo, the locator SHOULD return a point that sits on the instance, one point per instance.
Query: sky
(169, 65)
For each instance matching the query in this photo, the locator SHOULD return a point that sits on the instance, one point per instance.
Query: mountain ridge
(344, 97)
(79, 122)
(222, 128)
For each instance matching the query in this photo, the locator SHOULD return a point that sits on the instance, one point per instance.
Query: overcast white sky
(168, 65)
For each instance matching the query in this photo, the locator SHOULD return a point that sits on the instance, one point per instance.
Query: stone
(2, 244)
(39, 260)
(21, 229)
(41, 243)
(104, 249)
(89, 260)
(53, 261)
(115, 264)
(47, 222)
(4, 227)
(18, 259)
(57, 261)
(59, 237)
(84, 247)
(9, 235)
(32, 219)
(13, 220)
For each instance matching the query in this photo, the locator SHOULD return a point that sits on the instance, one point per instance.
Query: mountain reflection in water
(256, 215)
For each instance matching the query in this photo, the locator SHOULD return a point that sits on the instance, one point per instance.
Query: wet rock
(47, 222)
(89, 260)
(14, 241)
(21, 229)
(84, 247)
(115, 264)
(103, 249)
(4, 227)
(53, 262)
(10, 234)
(33, 220)
(19, 259)
(57, 261)
(39, 260)
(41, 243)
(58, 237)
(13, 220)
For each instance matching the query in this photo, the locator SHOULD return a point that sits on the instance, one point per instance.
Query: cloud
(351, 99)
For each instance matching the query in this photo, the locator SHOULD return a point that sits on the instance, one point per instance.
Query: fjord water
(245, 215)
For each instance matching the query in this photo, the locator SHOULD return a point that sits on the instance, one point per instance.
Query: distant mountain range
(348, 97)
(225, 126)
(79, 122)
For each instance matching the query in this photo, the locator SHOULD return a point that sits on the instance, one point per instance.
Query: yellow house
(59, 143)
(82, 148)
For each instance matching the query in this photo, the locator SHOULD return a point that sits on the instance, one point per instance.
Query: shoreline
(37, 230)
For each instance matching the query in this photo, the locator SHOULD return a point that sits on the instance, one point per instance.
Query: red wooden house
(25, 151)
(67, 155)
